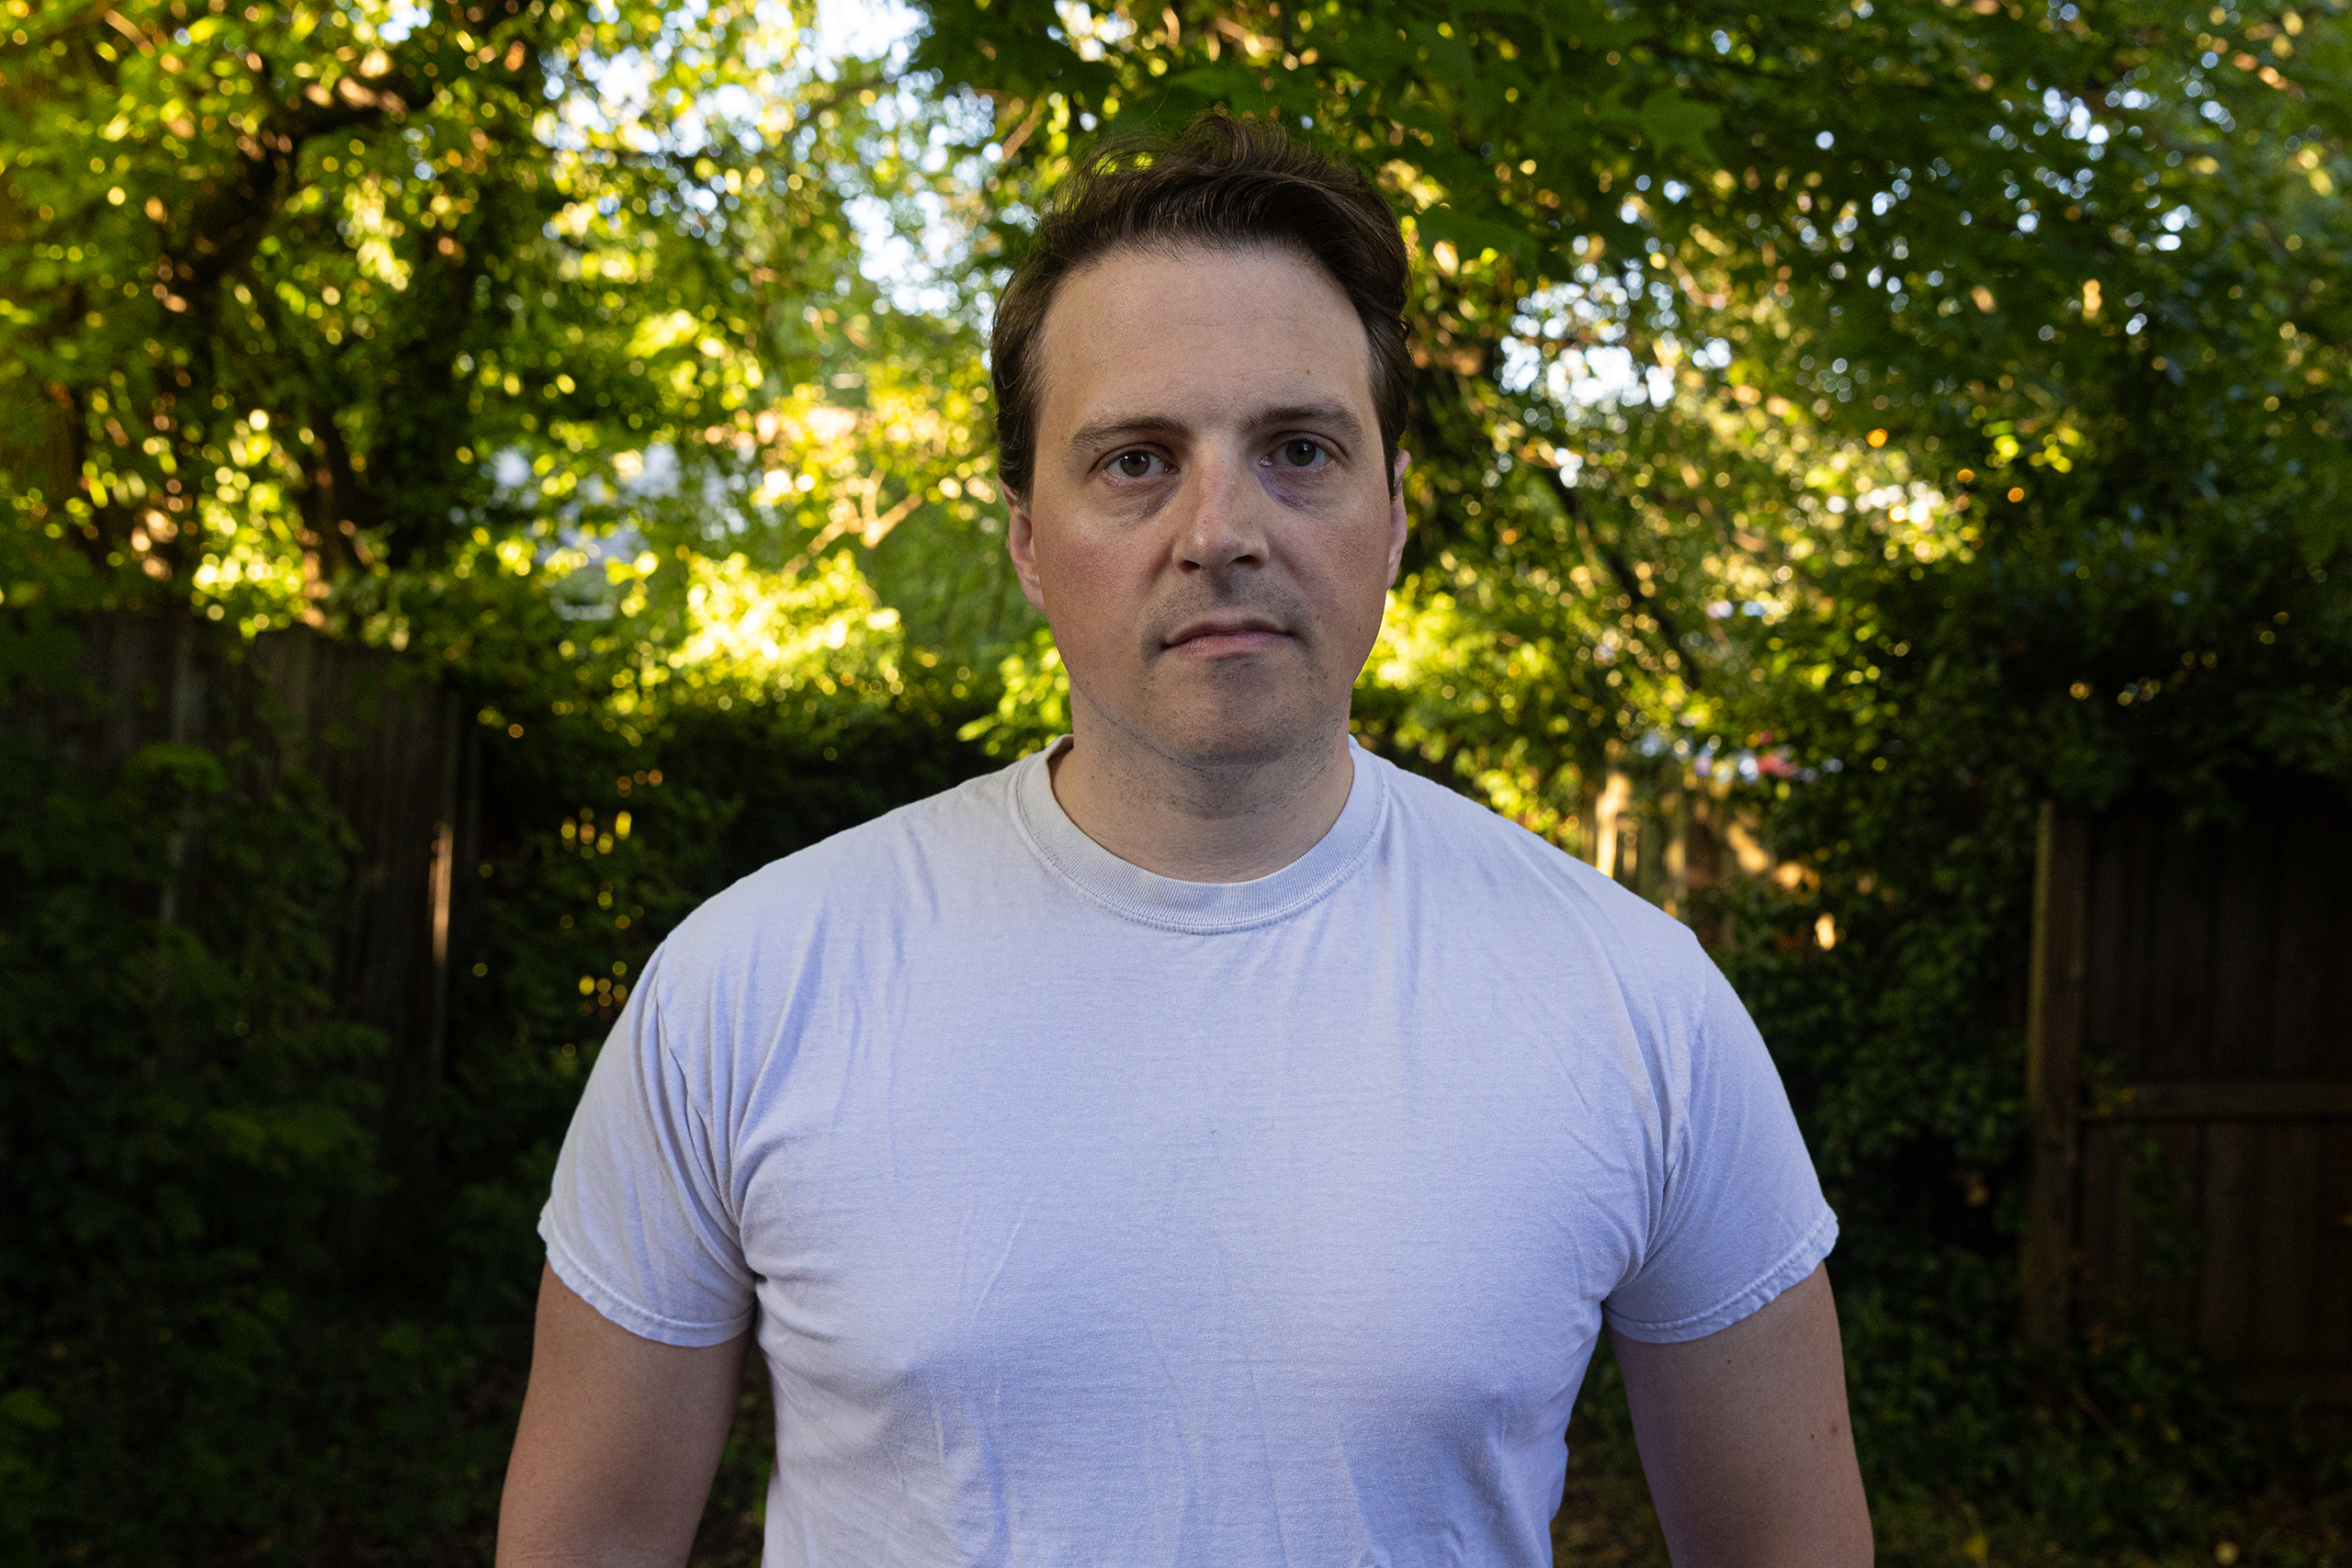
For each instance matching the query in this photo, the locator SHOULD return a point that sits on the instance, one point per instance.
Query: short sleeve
(637, 1225)
(1742, 1217)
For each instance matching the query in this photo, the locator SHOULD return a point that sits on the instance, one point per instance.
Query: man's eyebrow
(1333, 417)
(1095, 431)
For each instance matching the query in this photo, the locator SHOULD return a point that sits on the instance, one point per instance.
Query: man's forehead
(1193, 333)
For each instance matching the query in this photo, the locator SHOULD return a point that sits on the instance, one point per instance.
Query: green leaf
(192, 768)
(26, 1407)
(1672, 120)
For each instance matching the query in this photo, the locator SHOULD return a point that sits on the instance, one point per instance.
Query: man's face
(1208, 531)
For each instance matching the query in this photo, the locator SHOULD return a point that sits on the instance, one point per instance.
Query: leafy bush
(184, 1126)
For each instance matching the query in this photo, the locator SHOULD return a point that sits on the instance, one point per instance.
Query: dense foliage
(1891, 414)
(181, 1121)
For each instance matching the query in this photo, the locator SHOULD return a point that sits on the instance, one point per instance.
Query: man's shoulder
(1458, 842)
(914, 854)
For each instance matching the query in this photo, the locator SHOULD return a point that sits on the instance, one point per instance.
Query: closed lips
(1223, 628)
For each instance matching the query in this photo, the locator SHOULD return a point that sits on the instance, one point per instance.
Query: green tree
(309, 297)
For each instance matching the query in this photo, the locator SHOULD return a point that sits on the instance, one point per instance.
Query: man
(1201, 1143)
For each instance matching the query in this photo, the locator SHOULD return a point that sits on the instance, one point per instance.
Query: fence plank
(2286, 1309)
(2230, 1220)
(2176, 1039)
(2331, 1284)
(2244, 918)
(2101, 1272)
(2304, 931)
(2053, 1042)
(2168, 1295)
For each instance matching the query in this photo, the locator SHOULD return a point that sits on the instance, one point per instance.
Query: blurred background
(476, 478)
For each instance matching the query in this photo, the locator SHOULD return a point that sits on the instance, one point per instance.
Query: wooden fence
(2191, 1084)
(397, 758)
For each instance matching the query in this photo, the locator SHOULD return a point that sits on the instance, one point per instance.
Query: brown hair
(1224, 182)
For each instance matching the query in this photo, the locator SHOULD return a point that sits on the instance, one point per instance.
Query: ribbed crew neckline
(1200, 908)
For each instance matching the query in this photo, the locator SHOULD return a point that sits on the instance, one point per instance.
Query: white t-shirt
(1089, 1217)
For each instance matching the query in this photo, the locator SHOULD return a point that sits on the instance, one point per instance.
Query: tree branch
(231, 217)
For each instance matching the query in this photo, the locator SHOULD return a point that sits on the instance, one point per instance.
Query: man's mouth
(1214, 635)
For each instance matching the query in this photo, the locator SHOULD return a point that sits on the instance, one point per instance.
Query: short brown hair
(1225, 183)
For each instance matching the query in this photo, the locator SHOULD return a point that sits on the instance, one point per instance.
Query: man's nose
(1224, 523)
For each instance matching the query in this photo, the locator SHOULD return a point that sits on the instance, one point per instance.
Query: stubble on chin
(1234, 715)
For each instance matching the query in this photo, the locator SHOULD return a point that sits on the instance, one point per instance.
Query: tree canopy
(349, 314)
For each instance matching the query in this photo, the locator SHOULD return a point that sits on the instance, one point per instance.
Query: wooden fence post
(2054, 1048)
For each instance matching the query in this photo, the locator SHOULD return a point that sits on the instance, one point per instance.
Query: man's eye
(1300, 454)
(1133, 464)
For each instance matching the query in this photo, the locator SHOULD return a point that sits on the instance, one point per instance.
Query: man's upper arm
(639, 1218)
(1745, 1438)
(619, 1438)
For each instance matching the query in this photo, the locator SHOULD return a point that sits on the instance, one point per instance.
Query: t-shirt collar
(1130, 891)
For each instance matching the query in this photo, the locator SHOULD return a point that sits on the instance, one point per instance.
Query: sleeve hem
(1794, 1266)
(619, 1310)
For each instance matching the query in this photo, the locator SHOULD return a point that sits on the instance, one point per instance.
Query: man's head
(1225, 183)
(1200, 375)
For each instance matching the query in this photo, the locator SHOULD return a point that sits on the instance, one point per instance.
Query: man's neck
(1200, 824)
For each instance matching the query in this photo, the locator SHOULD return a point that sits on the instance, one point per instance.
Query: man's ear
(1398, 522)
(1019, 542)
